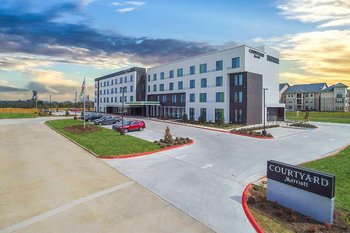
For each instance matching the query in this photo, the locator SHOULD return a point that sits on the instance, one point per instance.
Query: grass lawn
(338, 165)
(105, 142)
(333, 117)
(17, 115)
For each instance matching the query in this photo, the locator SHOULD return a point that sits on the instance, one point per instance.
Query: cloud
(135, 3)
(12, 89)
(327, 13)
(79, 43)
(127, 9)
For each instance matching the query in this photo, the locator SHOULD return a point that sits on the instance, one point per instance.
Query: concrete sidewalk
(51, 185)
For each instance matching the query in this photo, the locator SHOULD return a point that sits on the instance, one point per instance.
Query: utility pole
(264, 131)
(122, 130)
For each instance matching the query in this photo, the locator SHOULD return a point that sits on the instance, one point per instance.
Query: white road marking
(64, 207)
(208, 165)
(180, 156)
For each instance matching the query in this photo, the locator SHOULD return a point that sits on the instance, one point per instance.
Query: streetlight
(264, 130)
(122, 130)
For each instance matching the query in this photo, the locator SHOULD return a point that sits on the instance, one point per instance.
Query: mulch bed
(79, 129)
(292, 220)
(177, 141)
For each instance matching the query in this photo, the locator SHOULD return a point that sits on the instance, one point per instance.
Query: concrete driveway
(206, 179)
(49, 184)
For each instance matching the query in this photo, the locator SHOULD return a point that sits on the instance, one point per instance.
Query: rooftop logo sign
(256, 53)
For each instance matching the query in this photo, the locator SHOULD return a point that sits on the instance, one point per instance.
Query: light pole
(75, 105)
(122, 130)
(264, 130)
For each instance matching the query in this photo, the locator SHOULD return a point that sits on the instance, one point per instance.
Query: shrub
(168, 138)
(185, 117)
(251, 200)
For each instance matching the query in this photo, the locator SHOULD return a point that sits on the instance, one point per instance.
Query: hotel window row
(219, 97)
(203, 68)
(115, 81)
(110, 99)
(115, 90)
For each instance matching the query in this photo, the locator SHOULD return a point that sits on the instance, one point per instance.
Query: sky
(50, 46)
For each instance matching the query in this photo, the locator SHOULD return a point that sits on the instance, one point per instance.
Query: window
(111, 99)
(101, 100)
(202, 97)
(149, 77)
(121, 99)
(192, 98)
(171, 86)
(183, 98)
(192, 83)
(236, 62)
(180, 72)
(238, 80)
(116, 81)
(192, 70)
(107, 100)
(192, 114)
(112, 90)
(161, 87)
(107, 91)
(164, 98)
(107, 83)
(148, 88)
(100, 92)
(154, 77)
(104, 99)
(203, 82)
(180, 85)
(112, 82)
(203, 68)
(203, 115)
(116, 90)
(154, 87)
(161, 75)
(125, 79)
(235, 97)
(219, 65)
(131, 88)
(173, 98)
(121, 80)
(306, 95)
(131, 78)
(219, 97)
(125, 98)
(171, 74)
(240, 97)
(219, 114)
(219, 81)
(115, 99)
(131, 98)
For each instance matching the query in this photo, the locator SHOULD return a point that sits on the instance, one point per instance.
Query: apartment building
(223, 85)
(304, 97)
(335, 98)
(283, 91)
(110, 89)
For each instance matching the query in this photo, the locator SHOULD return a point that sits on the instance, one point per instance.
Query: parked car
(106, 120)
(132, 126)
(119, 123)
(86, 115)
(92, 117)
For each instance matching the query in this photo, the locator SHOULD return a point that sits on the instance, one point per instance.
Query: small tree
(185, 117)
(168, 138)
(201, 119)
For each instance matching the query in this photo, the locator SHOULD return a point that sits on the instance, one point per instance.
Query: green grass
(105, 142)
(332, 117)
(17, 115)
(338, 165)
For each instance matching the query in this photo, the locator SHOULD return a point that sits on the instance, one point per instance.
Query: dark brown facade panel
(254, 98)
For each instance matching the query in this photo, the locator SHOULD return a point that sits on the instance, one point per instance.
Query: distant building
(283, 91)
(335, 98)
(304, 97)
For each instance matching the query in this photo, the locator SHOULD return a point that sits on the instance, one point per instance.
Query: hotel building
(223, 85)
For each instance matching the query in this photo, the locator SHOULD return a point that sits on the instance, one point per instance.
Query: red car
(132, 126)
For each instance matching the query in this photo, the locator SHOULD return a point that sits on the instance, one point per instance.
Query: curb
(144, 153)
(250, 217)
(121, 156)
(211, 129)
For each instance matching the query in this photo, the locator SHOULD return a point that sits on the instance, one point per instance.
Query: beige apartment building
(335, 98)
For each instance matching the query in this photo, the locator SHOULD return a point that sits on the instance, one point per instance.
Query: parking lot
(206, 179)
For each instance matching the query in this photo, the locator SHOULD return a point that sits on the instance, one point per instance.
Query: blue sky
(51, 45)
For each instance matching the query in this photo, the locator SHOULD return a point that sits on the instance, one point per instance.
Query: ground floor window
(238, 115)
(219, 115)
(203, 115)
(192, 111)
